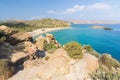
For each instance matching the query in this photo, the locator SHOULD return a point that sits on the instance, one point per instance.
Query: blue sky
(60, 9)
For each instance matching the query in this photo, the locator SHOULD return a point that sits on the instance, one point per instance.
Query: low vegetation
(107, 60)
(35, 24)
(6, 69)
(102, 74)
(49, 46)
(74, 50)
(107, 28)
(90, 50)
(2, 36)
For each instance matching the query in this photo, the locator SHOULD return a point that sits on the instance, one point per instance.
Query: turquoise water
(103, 41)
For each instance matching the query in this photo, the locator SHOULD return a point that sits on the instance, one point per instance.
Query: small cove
(103, 41)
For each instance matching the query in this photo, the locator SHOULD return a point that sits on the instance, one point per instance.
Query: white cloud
(75, 8)
(51, 12)
(99, 6)
(78, 8)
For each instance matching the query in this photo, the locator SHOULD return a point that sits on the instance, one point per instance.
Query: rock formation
(40, 43)
(50, 38)
(59, 66)
(17, 56)
(110, 63)
(13, 36)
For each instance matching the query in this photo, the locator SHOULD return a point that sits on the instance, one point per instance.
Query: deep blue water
(103, 41)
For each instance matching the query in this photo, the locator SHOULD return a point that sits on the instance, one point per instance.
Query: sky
(60, 9)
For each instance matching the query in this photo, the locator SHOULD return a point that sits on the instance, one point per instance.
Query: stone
(49, 37)
(3, 27)
(17, 56)
(31, 63)
(58, 67)
(22, 36)
(40, 43)
(30, 48)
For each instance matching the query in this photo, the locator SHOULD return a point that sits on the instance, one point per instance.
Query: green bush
(51, 50)
(6, 69)
(46, 58)
(74, 50)
(88, 48)
(49, 46)
(2, 39)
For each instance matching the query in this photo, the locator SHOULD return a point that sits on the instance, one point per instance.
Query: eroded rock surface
(59, 66)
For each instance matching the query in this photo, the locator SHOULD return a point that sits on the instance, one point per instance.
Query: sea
(103, 41)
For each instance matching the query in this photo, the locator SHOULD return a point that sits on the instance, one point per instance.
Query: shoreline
(45, 30)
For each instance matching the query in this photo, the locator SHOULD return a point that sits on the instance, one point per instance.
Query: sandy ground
(44, 30)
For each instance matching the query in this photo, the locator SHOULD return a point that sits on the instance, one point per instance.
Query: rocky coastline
(46, 59)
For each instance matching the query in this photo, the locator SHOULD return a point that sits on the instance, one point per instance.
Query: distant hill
(29, 25)
(93, 22)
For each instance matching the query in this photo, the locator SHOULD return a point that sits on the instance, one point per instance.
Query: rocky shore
(46, 59)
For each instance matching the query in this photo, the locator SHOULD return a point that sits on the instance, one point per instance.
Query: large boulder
(14, 37)
(22, 36)
(17, 56)
(40, 43)
(3, 27)
(7, 31)
(30, 48)
(56, 65)
(49, 37)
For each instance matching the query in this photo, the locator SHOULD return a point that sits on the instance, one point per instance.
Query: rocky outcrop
(14, 37)
(40, 43)
(17, 56)
(50, 38)
(31, 63)
(47, 41)
(59, 66)
(109, 69)
(7, 31)
(109, 62)
(18, 37)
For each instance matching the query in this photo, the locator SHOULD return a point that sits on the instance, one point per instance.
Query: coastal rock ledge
(59, 66)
